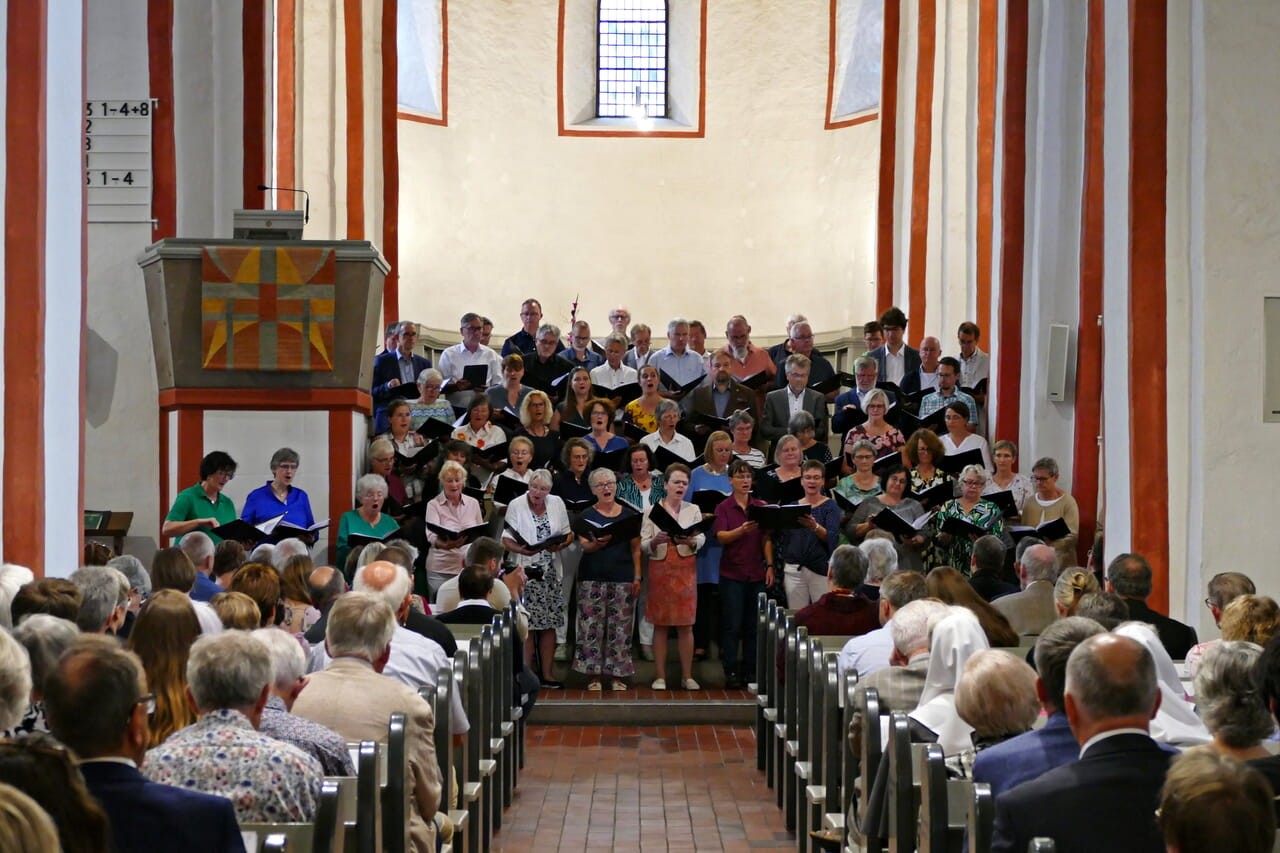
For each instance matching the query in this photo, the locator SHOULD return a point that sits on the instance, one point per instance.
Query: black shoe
(550, 684)
(733, 682)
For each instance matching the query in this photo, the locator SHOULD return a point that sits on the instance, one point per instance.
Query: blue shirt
(932, 402)
(205, 588)
(1027, 756)
(708, 559)
(682, 368)
(262, 505)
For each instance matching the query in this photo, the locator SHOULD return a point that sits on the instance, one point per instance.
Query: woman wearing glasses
(1050, 502)
(203, 506)
(951, 548)
(280, 496)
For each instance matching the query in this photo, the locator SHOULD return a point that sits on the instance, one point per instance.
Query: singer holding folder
(280, 495)
(203, 505)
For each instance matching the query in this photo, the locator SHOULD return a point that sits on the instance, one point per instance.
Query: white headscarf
(1176, 722)
(955, 639)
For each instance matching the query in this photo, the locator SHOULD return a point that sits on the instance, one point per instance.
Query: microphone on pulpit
(306, 211)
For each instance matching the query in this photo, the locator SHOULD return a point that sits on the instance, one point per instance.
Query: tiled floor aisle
(675, 788)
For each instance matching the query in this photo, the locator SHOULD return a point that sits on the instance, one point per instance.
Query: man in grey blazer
(781, 404)
(1031, 610)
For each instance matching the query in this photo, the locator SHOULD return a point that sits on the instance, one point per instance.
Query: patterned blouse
(325, 745)
(628, 491)
(267, 780)
(957, 552)
(440, 410)
(889, 441)
(640, 417)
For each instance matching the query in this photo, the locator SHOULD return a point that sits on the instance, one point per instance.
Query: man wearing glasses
(395, 371)
(582, 353)
(524, 340)
(455, 359)
(894, 357)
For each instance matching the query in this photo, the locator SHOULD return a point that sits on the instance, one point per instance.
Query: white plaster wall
(951, 206)
(121, 467)
(769, 210)
(320, 90)
(1241, 246)
(371, 34)
(1055, 162)
(904, 155)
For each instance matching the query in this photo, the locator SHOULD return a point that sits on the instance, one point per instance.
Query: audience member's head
(949, 586)
(96, 673)
(401, 553)
(231, 670)
(1020, 549)
(898, 589)
(171, 568)
(261, 582)
(486, 551)
(236, 611)
(1224, 588)
(55, 596)
(137, 575)
(162, 637)
(286, 550)
(199, 549)
(1053, 649)
(288, 663)
(1106, 608)
(1111, 683)
(474, 583)
(228, 557)
(1266, 675)
(1227, 697)
(910, 632)
(360, 625)
(882, 559)
(24, 826)
(997, 695)
(40, 767)
(325, 584)
(15, 682)
(45, 638)
(988, 555)
(387, 581)
(1071, 586)
(1039, 563)
(293, 578)
(1129, 576)
(1251, 618)
(1212, 803)
(263, 553)
(12, 578)
(847, 567)
(105, 599)
(96, 554)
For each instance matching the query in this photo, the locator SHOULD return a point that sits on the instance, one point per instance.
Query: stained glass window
(631, 59)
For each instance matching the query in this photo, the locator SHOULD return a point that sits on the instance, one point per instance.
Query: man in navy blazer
(395, 371)
(895, 358)
(1032, 754)
(1105, 801)
(95, 704)
(866, 372)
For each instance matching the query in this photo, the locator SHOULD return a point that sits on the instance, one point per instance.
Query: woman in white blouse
(476, 431)
(1005, 479)
(958, 439)
(668, 413)
(537, 516)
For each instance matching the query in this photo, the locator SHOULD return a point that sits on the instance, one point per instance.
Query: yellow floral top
(640, 417)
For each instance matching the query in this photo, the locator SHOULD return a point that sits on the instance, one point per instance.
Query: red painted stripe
(1089, 345)
(164, 192)
(988, 56)
(341, 470)
(390, 165)
(888, 158)
(24, 292)
(165, 498)
(926, 44)
(286, 101)
(253, 27)
(354, 55)
(1013, 219)
(1148, 359)
(190, 439)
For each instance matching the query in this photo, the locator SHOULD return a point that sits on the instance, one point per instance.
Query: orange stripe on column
(341, 472)
(286, 94)
(1012, 214)
(1148, 358)
(165, 498)
(25, 213)
(253, 27)
(888, 158)
(164, 192)
(391, 163)
(1089, 348)
(926, 43)
(354, 55)
(988, 52)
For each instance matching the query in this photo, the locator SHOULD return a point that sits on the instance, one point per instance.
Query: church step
(607, 710)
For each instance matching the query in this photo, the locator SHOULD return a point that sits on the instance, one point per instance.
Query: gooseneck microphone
(306, 210)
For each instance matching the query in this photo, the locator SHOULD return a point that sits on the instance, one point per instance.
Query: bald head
(1111, 683)
(324, 584)
(387, 581)
(1039, 563)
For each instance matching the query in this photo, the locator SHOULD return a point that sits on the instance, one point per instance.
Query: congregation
(613, 492)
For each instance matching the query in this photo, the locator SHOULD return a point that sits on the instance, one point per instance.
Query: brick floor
(686, 788)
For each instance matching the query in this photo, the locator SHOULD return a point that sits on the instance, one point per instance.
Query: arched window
(631, 59)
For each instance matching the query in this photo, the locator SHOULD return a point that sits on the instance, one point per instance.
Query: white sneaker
(690, 684)
(659, 684)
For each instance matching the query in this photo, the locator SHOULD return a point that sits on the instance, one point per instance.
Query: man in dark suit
(778, 404)
(395, 371)
(801, 343)
(895, 359)
(723, 396)
(1129, 576)
(324, 584)
(1105, 801)
(1032, 754)
(96, 705)
(849, 404)
(474, 608)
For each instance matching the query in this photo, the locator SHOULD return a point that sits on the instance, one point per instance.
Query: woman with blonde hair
(1251, 618)
(1073, 585)
(162, 638)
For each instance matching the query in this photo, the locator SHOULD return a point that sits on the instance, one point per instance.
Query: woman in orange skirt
(673, 576)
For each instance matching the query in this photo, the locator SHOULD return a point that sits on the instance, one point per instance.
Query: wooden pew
(765, 610)
(981, 817)
(943, 804)
(323, 835)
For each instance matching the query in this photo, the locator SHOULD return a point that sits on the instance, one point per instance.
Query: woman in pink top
(452, 510)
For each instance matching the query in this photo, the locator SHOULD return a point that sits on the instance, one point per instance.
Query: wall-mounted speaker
(1056, 376)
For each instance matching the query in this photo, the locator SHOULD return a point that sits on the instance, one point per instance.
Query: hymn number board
(117, 149)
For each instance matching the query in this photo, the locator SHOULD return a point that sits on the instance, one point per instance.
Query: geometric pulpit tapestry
(266, 308)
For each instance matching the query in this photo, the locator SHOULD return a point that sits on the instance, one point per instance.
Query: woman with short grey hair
(367, 519)
(948, 547)
(279, 497)
(45, 638)
(668, 415)
(1229, 701)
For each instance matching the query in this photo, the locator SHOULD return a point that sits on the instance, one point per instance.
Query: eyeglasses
(972, 483)
(288, 466)
(472, 328)
(230, 475)
(149, 701)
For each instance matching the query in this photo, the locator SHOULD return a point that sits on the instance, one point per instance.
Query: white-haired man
(1030, 611)
(353, 697)
(882, 561)
(676, 359)
(105, 599)
(199, 549)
